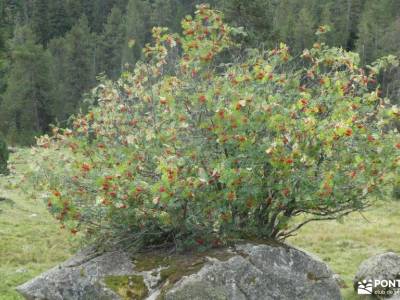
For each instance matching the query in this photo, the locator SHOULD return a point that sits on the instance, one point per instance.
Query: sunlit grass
(344, 246)
(31, 241)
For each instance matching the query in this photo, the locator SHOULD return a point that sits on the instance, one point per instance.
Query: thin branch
(284, 235)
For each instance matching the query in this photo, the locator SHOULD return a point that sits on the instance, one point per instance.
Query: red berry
(260, 75)
(202, 99)
(289, 161)
(57, 193)
(349, 132)
(304, 102)
(200, 241)
(86, 167)
(286, 192)
(133, 122)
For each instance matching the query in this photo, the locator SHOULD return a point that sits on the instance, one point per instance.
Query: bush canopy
(203, 144)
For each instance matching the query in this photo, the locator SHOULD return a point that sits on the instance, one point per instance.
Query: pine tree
(356, 9)
(390, 80)
(24, 110)
(303, 33)
(4, 155)
(88, 10)
(375, 21)
(285, 22)
(74, 10)
(111, 46)
(163, 14)
(100, 13)
(257, 18)
(336, 14)
(40, 21)
(97, 12)
(137, 30)
(59, 22)
(80, 61)
(58, 66)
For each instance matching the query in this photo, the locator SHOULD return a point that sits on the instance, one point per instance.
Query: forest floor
(31, 241)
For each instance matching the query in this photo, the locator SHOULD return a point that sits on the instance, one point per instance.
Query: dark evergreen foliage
(3, 157)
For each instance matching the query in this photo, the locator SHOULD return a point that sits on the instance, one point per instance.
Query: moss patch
(177, 269)
(147, 262)
(128, 287)
(176, 266)
(152, 260)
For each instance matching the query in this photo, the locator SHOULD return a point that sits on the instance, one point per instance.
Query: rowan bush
(199, 145)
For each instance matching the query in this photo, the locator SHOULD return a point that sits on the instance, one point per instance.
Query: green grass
(344, 246)
(32, 242)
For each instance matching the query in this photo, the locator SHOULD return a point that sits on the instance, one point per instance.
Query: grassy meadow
(31, 241)
(343, 246)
